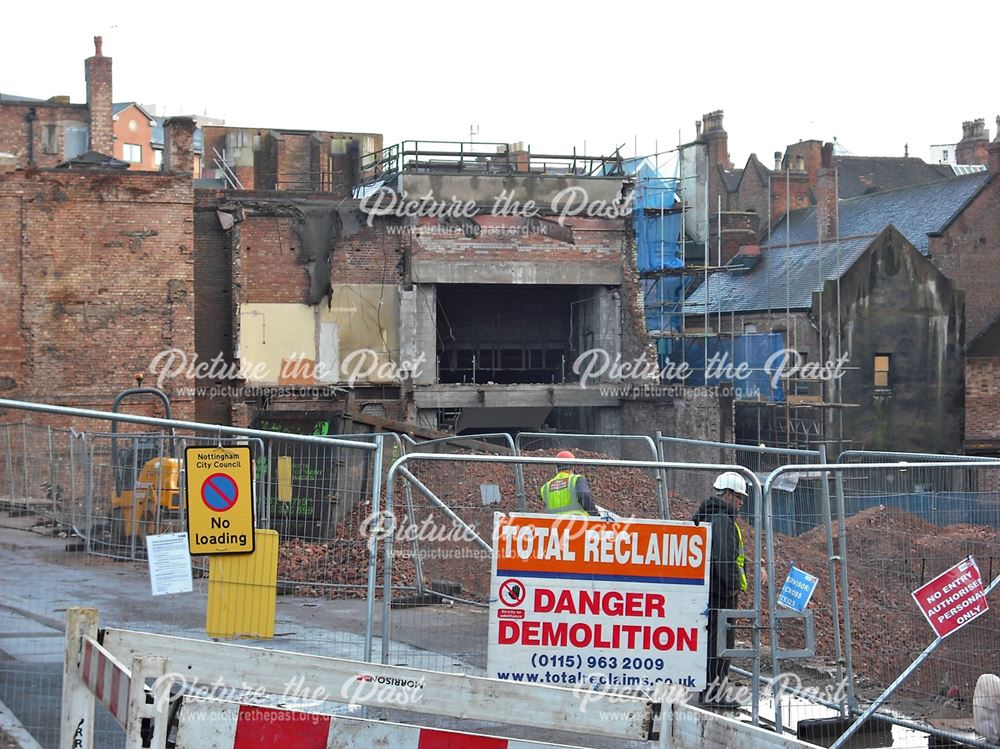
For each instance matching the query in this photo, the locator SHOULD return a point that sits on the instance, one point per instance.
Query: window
(749, 328)
(944, 155)
(158, 158)
(882, 371)
(50, 139)
(132, 152)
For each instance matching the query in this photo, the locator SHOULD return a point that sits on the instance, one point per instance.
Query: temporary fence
(470, 573)
(328, 485)
(883, 552)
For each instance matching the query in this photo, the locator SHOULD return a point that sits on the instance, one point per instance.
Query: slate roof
(862, 175)
(731, 177)
(915, 211)
(783, 278)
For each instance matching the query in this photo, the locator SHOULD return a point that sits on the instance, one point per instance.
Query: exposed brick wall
(969, 254)
(213, 308)
(106, 281)
(595, 241)
(982, 399)
(14, 130)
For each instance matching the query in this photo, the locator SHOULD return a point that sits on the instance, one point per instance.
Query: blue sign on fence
(797, 590)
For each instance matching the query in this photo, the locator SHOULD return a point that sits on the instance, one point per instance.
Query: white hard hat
(731, 480)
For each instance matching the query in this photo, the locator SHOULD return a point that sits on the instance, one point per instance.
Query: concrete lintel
(509, 396)
(517, 272)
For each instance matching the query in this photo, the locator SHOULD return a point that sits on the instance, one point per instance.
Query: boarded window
(881, 370)
(50, 139)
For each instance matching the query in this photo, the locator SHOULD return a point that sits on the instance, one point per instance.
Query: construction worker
(567, 493)
(727, 577)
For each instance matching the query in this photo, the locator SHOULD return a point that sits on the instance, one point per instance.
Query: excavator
(146, 482)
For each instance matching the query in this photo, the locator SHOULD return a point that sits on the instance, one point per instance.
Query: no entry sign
(220, 500)
(954, 598)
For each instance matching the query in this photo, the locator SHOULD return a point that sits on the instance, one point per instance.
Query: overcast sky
(875, 75)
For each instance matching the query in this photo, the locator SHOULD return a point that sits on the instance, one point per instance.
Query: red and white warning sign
(595, 604)
(954, 598)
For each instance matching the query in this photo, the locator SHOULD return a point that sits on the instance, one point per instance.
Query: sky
(555, 75)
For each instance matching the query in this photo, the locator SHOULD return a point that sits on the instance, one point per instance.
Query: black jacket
(724, 575)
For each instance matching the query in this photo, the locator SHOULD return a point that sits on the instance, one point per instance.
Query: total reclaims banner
(598, 604)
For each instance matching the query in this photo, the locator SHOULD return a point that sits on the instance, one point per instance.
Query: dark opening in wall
(511, 334)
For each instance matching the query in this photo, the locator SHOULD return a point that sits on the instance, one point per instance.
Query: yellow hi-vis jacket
(741, 558)
(559, 495)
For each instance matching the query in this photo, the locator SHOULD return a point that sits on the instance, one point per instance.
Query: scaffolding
(673, 262)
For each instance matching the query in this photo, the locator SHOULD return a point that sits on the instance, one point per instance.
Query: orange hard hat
(565, 454)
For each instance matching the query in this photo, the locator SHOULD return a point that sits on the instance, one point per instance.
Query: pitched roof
(915, 211)
(731, 177)
(120, 107)
(861, 175)
(784, 278)
(93, 160)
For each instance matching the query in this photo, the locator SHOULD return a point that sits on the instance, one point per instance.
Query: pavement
(46, 579)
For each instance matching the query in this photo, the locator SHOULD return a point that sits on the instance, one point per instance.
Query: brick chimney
(717, 138)
(178, 146)
(974, 146)
(826, 196)
(993, 159)
(98, 73)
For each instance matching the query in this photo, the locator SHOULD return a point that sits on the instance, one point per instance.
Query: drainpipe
(30, 119)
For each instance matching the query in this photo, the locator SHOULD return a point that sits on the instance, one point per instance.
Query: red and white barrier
(214, 723)
(108, 679)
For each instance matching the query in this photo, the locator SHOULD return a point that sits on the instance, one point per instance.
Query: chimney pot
(826, 156)
(98, 43)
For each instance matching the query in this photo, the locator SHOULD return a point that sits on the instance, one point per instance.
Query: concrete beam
(549, 192)
(518, 272)
(509, 396)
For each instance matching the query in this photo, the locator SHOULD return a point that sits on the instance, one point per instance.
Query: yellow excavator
(146, 481)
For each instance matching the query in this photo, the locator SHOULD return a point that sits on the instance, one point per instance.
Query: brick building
(97, 275)
(133, 129)
(45, 133)
(282, 159)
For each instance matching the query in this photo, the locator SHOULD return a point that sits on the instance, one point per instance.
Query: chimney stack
(178, 146)
(993, 160)
(717, 139)
(826, 196)
(98, 74)
(974, 146)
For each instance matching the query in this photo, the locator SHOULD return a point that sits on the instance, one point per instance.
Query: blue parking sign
(797, 590)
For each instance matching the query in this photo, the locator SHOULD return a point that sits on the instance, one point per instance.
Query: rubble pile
(339, 568)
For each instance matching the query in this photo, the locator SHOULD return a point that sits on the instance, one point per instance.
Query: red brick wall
(14, 129)
(268, 250)
(106, 281)
(98, 74)
(13, 343)
(213, 307)
(969, 254)
(982, 399)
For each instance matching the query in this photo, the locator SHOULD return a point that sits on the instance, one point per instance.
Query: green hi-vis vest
(741, 557)
(559, 495)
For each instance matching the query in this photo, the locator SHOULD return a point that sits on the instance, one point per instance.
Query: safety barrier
(239, 708)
